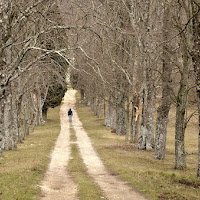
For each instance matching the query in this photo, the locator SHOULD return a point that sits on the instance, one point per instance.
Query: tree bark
(140, 21)
(26, 119)
(8, 140)
(40, 120)
(10, 133)
(99, 107)
(134, 119)
(127, 118)
(198, 102)
(88, 102)
(2, 108)
(180, 161)
(146, 139)
(107, 120)
(196, 63)
(37, 118)
(163, 109)
(82, 95)
(121, 121)
(44, 114)
(120, 115)
(135, 141)
(93, 105)
(19, 119)
(113, 123)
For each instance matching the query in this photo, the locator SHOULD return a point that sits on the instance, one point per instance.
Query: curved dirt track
(58, 185)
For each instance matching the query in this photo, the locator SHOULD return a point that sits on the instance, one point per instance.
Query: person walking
(70, 114)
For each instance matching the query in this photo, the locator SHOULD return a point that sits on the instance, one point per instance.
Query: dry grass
(157, 179)
(22, 170)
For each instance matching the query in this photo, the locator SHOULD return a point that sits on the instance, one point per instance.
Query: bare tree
(25, 26)
(196, 60)
(166, 99)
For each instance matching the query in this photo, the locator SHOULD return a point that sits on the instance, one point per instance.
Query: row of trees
(32, 75)
(129, 53)
(139, 53)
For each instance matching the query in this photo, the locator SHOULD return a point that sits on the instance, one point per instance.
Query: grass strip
(73, 137)
(156, 178)
(87, 189)
(22, 170)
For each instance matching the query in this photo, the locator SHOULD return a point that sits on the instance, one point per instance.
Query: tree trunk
(7, 123)
(113, 123)
(9, 137)
(127, 119)
(143, 28)
(180, 161)
(40, 120)
(93, 105)
(2, 108)
(161, 129)
(99, 107)
(146, 139)
(121, 121)
(88, 100)
(135, 141)
(104, 109)
(19, 119)
(82, 95)
(107, 120)
(198, 101)
(134, 118)
(180, 132)
(37, 118)
(44, 114)
(26, 119)
(121, 116)
(196, 63)
(163, 109)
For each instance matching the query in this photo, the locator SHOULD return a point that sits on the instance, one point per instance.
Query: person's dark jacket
(70, 112)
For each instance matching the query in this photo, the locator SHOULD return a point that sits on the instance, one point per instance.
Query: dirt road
(58, 183)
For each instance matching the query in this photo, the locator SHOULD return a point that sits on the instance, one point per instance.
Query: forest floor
(58, 184)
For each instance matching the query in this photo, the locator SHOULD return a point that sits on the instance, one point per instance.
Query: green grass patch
(72, 135)
(22, 170)
(156, 178)
(87, 189)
